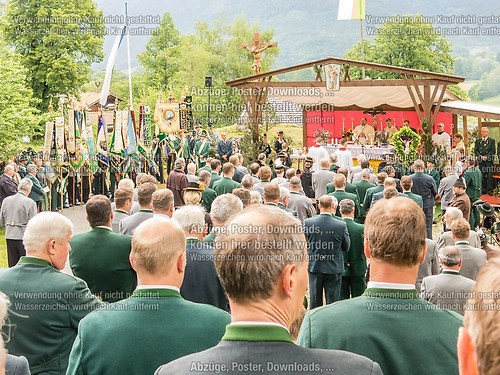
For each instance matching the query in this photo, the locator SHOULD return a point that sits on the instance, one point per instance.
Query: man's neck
(262, 311)
(387, 273)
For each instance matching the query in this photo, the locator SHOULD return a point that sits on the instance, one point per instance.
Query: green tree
(161, 52)
(17, 116)
(58, 40)
(415, 45)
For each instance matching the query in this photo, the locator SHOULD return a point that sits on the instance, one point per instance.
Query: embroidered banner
(332, 74)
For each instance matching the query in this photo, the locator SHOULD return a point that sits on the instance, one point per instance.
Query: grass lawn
(291, 131)
(3, 249)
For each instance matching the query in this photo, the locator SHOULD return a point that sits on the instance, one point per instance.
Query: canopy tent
(418, 90)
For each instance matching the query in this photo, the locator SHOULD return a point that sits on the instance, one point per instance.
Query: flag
(111, 64)
(332, 74)
(49, 140)
(60, 139)
(132, 141)
(351, 10)
(102, 141)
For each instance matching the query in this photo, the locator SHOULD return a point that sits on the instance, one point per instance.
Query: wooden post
(479, 126)
(465, 131)
(454, 125)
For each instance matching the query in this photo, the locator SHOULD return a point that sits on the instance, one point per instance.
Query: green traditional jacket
(256, 332)
(215, 177)
(349, 188)
(46, 307)
(343, 194)
(138, 335)
(416, 198)
(434, 174)
(225, 185)
(210, 238)
(473, 181)
(202, 151)
(182, 152)
(207, 197)
(396, 328)
(355, 260)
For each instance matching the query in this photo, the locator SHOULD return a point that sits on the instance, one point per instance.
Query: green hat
(203, 133)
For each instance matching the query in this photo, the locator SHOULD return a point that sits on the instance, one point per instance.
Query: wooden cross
(256, 48)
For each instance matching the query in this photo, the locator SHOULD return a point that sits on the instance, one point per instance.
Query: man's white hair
(191, 168)
(126, 183)
(225, 206)
(44, 227)
(25, 184)
(453, 213)
(255, 197)
(284, 192)
(191, 218)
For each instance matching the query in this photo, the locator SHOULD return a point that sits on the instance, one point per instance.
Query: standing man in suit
(460, 199)
(448, 290)
(37, 192)
(46, 304)
(299, 202)
(238, 174)
(478, 339)
(425, 186)
(327, 240)
(353, 278)
(306, 178)
(208, 195)
(473, 259)
(182, 147)
(446, 238)
(15, 213)
(340, 193)
(473, 181)
(145, 196)
(226, 184)
(367, 202)
(224, 148)
(163, 204)
(362, 186)
(168, 326)
(406, 185)
(224, 206)
(445, 188)
(177, 182)
(378, 323)
(215, 168)
(278, 144)
(484, 149)
(202, 149)
(389, 183)
(265, 302)
(201, 283)
(101, 257)
(123, 205)
(8, 186)
(432, 171)
(321, 178)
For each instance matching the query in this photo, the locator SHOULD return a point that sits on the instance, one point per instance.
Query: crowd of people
(228, 269)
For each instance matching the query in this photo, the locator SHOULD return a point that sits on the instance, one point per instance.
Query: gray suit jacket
(128, 224)
(271, 358)
(319, 181)
(15, 213)
(430, 266)
(446, 239)
(445, 189)
(473, 259)
(17, 365)
(302, 205)
(356, 177)
(448, 290)
(117, 217)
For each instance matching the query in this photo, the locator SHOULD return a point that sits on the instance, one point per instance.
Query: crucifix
(256, 48)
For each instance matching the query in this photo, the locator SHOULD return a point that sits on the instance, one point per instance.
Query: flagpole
(363, 75)
(128, 53)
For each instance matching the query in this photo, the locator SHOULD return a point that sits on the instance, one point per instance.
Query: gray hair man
(15, 213)
(47, 304)
(266, 288)
(201, 283)
(446, 238)
(8, 186)
(448, 290)
(163, 203)
(223, 207)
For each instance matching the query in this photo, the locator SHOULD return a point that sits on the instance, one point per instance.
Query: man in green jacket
(208, 195)
(340, 193)
(473, 181)
(353, 278)
(362, 186)
(37, 192)
(226, 184)
(101, 257)
(390, 323)
(46, 304)
(155, 325)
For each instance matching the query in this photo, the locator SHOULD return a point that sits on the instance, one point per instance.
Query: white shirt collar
(382, 285)
(241, 323)
(142, 287)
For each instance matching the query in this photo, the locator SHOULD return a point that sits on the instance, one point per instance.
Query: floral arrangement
(347, 134)
(406, 143)
(323, 133)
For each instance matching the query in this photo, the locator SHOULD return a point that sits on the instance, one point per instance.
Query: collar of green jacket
(250, 332)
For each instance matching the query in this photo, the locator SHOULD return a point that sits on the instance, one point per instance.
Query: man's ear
(132, 262)
(366, 249)
(181, 262)
(288, 279)
(467, 358)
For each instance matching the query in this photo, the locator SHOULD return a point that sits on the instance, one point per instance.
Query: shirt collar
(169, 287)
(382, 285)
(257, 331)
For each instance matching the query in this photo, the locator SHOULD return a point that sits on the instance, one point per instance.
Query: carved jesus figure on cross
(256, 48)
